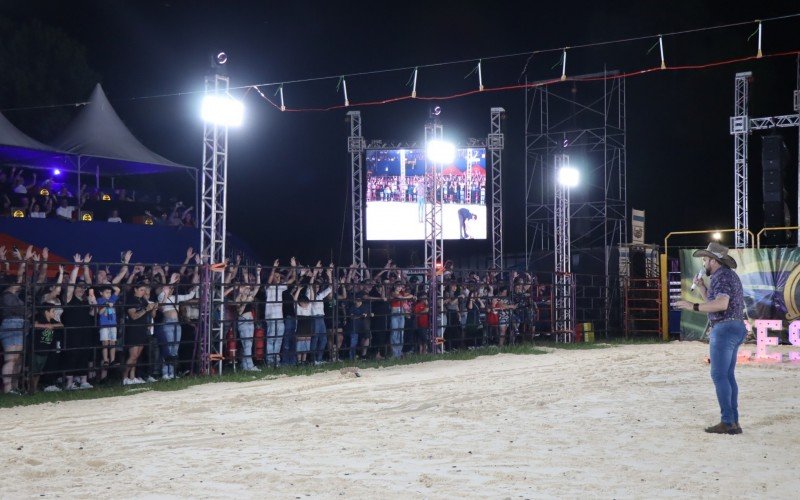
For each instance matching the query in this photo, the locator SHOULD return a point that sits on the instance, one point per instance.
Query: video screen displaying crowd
(24, 194)
(75, 325)
(454, 189)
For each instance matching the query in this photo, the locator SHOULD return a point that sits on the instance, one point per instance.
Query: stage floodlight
(716, 236)
(106, 197)
(57, 172)
(222, 110)
(44, 192)
(87, 216)
(441, 152)
(569, 176)
(18, 213)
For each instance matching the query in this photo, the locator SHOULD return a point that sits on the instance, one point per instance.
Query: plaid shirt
(726, 282)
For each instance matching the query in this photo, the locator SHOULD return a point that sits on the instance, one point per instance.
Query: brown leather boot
(737, 429)
(721, 428)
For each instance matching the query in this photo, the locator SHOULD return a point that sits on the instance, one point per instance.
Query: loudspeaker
(774, 158)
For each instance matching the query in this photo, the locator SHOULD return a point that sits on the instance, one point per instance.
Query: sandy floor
(619, 422)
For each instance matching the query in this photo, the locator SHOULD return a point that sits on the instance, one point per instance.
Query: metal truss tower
(586, 121)
(741, 126)
(562, 286)
(356, 146)
(434, 241)
(740, 129)
(212, 219)
(495, 143)
(433, 205)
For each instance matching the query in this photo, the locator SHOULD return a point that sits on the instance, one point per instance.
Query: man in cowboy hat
(723, 301)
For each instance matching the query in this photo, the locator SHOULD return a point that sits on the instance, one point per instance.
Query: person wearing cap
(723, 301)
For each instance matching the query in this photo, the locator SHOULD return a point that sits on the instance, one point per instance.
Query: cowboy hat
(717, 252)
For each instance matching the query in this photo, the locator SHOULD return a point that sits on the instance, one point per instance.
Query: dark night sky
(288, 173)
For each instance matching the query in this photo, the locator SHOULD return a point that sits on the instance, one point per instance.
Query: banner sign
(637, 226)
(770, 279)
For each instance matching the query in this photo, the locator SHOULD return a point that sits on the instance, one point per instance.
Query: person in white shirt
(19, 184)
(169, 332)
(114, 216)
(316, 296)
(273, 310)
(64, 211)
(37, 213)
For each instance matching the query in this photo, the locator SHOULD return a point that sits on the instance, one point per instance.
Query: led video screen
(396, 201)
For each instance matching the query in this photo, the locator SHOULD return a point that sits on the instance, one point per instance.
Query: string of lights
(342, 83)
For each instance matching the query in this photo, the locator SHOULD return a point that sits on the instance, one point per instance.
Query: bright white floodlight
(441, 151)
(222, 110)
(569, 176)
(717, 236)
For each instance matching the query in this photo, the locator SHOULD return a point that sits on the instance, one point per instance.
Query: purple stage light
(57, 172)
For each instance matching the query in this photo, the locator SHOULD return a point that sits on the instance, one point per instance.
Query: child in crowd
(107, 321)
(46, 334)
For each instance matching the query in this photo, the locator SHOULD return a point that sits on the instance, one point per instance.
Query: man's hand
(683, 304)
(126, 257)
(189, 253)
(698, 282)
(293, 262)
(45, 253)
(77, 258)
(87, 258)
(276, 263)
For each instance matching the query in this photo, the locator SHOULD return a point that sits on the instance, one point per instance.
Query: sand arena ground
(619, 422)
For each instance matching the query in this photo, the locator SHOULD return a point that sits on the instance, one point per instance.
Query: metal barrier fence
(76, 325)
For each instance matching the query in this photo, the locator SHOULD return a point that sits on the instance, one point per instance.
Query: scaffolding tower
(562, 286)
(587, 121)
(213, 223)
(356, 146)
(495, 144)
(741, 127)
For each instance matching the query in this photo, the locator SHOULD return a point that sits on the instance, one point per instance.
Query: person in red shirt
(423, 332)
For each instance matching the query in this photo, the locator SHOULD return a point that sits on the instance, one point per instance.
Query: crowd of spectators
(24, 194)
(455, 188)
(81, 324)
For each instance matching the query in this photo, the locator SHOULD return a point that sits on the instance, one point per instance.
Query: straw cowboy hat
(717, 252)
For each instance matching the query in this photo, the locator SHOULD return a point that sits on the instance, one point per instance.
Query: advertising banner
(770, 279)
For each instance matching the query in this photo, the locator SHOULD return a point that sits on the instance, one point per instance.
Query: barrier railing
(84, 323)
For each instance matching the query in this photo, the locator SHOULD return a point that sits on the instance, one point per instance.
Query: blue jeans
(275, 330)
(353, 345)
(169, 337)
(724, 341)
(320, 339)
(11, 332)
(246, 329)
(288, 347)
(398, 322)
